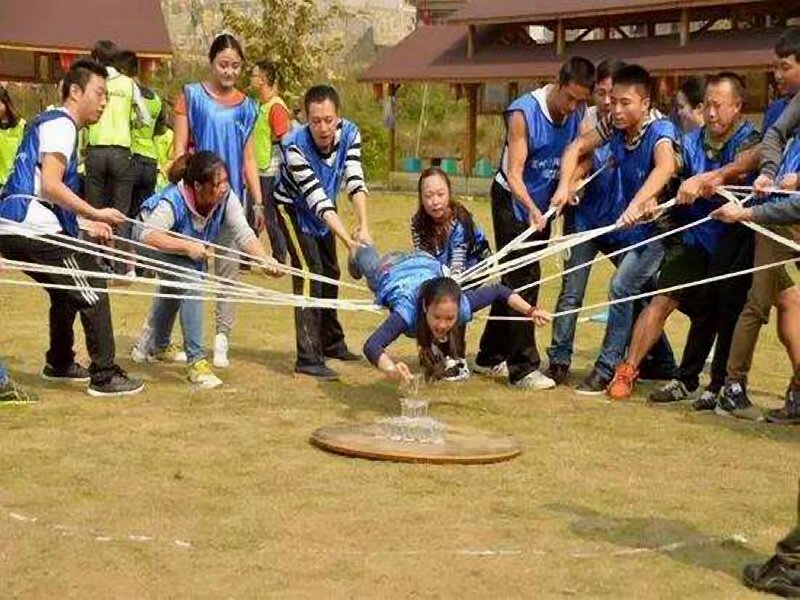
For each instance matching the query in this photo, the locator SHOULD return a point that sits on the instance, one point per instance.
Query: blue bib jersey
(698, 159)
(546, 143)
(23, 176)
(183, 215)
(399, 283)
(330, 175)
(221, 129)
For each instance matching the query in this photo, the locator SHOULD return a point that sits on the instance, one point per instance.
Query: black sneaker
(706, 401)
(733, 402)
(74, 372)
(773, 577)
(790, 413)
(595, 384)
(558, 373)
(11, 393)
(321, 372)
(345, 356)
(118, 384)
(674, 391)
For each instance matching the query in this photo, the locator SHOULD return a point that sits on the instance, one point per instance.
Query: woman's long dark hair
(12, 118)
(432, 353)
(432, 235)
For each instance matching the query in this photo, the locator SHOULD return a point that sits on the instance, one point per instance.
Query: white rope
(249, 258)
(517, 242)
(224, 285)
(621, 250)
(662, 291)
(750, 188)
(340, 305)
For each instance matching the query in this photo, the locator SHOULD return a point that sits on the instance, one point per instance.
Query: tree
(296, 35)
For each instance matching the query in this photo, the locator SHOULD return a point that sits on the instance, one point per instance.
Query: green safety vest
(114, 127)
(9, 142)
(142, 142)
(163, 145)
(262, 134)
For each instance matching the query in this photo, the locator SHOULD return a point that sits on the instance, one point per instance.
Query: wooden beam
(583, 34)
(472, 128)
(561, 38)
(622, 32)
(651, 29)
(513, 91)
(470, 42)
(706, 26)
(393, 87)
(684, 26)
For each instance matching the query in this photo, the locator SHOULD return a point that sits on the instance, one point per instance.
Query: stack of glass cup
(413, 425)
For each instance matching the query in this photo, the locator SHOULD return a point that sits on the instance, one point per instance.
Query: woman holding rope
(446, 230)
(199, 204)
(425, 304)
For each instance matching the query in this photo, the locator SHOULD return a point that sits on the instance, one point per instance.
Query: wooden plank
(561, 38)
(470, 42)
(393, 87)
(461, 445)
(685, 24)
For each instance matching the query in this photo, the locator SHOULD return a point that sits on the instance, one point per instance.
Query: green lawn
(181, 493)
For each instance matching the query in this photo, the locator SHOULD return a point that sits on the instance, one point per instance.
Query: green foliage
(296, 35)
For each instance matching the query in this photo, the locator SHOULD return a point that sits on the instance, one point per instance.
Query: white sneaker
(137, 355)
(221, 351)
(456, 369)
(500, 371)
(171, 354)
(536, 380)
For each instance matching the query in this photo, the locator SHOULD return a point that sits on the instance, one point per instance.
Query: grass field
(176, 493)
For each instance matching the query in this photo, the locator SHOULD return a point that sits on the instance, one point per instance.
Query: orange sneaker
(624, 381)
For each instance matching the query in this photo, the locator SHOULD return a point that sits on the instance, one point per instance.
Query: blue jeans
(3, 373)
(635, 271)
(164, 311)
(573, 290)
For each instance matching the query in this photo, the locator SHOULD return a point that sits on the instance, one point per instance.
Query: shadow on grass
(379, 397)
(675, 539)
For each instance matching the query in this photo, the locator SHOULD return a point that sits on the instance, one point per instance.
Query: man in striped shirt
(317, 159)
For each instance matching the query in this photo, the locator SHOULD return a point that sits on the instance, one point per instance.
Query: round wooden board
(462, 445)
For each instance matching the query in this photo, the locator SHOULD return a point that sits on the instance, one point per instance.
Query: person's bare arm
(253, 183)
(180, 139)
(571, 161)
(517, 141)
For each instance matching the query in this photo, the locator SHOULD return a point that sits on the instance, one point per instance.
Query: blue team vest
(23, 176)
(632, 167)
(598, 207)
(330, 176)
(773, 112)
(476, 246)
(221, 129)
(399, 286)
(183, 215)
(546, 144)
(696, 161)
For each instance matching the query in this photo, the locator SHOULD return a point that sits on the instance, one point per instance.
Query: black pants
(276, 225)
(109, 183)
(511, 341)
(318, 331)
(65, 305)
(145, 178)
(716, 309)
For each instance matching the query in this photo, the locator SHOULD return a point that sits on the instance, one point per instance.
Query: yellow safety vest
(262, 134)
(10, 140)
(114, 127)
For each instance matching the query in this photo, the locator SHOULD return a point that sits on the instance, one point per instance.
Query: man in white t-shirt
(45, 167)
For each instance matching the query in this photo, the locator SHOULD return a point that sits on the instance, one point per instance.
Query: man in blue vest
(644, 147)
(45, 168)
(318, 159)
(539, 124)
(725, 135)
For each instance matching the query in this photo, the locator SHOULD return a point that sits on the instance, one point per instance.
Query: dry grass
(608, 500)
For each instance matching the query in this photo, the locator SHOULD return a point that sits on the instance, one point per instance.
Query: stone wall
(192, 24)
